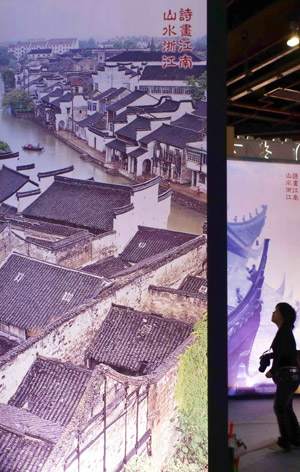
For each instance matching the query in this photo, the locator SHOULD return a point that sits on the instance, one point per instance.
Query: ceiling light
(294, 38)
(293, 41)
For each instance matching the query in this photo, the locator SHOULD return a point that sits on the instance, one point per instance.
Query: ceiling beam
(266, 80)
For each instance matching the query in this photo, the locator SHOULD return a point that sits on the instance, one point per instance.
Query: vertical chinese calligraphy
(291, 186)
(177, 46)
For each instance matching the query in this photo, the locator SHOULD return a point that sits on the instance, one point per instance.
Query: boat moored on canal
(31, 147)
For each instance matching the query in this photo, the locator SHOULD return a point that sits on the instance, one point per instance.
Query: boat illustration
(31, 147)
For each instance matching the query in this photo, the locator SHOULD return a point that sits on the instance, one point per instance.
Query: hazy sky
(101, 19)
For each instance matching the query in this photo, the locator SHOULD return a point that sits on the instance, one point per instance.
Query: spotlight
(294, 38)
(293, 41)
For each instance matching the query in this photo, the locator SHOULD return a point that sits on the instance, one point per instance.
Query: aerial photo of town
(103, 254)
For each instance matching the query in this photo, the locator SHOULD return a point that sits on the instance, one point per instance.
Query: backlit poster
(103, 254)
(263, 253)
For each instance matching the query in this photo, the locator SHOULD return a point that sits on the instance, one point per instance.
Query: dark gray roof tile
(21, 420)
(32, 293)
(81, 203)
(190, 121)
(148, 242)
(52, 390)
(172, 135)
(171, 73)
(145, 56)
(90, 119)
(136, 342)
(129, 131)
(10, 182)
(193, 284)
(130, 98)
(106, 268)
(5, 345)
(19, 453)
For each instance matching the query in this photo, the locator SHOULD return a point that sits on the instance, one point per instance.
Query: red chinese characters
(171, 45)
(168, 61)
(291, 186)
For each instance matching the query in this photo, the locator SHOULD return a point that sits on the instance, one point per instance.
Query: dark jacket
(284, 350)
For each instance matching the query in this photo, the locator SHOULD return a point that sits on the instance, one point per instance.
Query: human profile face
(277, 317)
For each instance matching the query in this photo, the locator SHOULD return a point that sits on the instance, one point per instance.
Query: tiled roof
(96, 95)
(201, 108)
(19, 453)
(136, 341)
(55, 93)
(150, 241)
(41, 226)
(145, 56)
(67, 97)
(163, 106)
(189, 121)
(7, 209)
(91, 119)
(137, 152)
(172, 135)
(33, 292)
(107, 92)
(121, 117)
(24, 422)
(81, 203)
(40, 51)
(115, 93)
(107, 268)
(10, 182)
(6, 344)
(117, 144)
(194, 284)
(129, 131)
(171, 73)
(130, 98)
(52, 390)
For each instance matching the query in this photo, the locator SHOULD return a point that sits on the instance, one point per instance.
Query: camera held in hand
(264, 362)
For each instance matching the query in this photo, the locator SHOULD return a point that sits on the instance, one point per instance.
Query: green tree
(18, 100)
(8, 77)
(4, 147)
(118, 45)
(5, 56)
(152, 45)
(197, 87)
(129, 44)
(87, 44)
(191, 395)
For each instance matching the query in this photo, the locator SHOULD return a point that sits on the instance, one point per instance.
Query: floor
(255, 424)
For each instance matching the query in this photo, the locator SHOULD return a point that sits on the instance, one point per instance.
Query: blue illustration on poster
(263, 253)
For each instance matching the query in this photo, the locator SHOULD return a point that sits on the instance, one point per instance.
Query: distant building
(157, 80)
(57, 46)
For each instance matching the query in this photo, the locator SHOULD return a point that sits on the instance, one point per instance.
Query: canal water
(18, 132)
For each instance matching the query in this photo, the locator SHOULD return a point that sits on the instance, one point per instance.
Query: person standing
(286, 375)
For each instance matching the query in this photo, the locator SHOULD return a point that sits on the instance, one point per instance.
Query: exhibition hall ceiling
(263, 72)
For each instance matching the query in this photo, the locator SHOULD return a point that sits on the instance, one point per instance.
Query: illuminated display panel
(263, 227)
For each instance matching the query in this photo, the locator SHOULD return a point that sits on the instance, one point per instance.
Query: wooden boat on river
(31, 147)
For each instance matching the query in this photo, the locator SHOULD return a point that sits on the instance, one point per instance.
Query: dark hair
(288, 313)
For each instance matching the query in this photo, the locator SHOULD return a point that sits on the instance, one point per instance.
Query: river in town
(17, 132)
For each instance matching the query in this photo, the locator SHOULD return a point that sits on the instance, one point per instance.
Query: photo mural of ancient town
(103, 290)
(263, 269)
